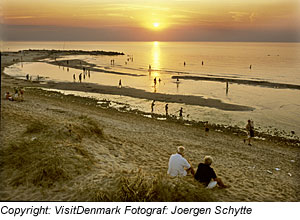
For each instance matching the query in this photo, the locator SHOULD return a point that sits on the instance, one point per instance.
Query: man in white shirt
(178, 165)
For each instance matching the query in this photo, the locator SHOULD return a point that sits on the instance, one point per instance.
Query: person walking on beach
(180, 112)
(184, 63)
(207, 176)
(167, 108)
(74, 77)
(27, 77)
(178, 165)
(152, 106)
(120, 83)
(250, 131)
(154, 81)
(202, 63)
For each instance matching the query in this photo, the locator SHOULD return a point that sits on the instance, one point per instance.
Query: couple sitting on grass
(179, 166)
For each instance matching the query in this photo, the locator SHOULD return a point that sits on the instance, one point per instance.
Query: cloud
(19, 17)
(239, 16)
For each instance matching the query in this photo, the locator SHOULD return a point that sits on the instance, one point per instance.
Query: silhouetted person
(180, 112)
(155, 81)
(167, 108)
(250, 67)
(152, 105)
(27, 77)
(80, 75)
(74, 77)
(202, 63)
(250, 131)
(184, 63)
(226, 87)
(120, 83)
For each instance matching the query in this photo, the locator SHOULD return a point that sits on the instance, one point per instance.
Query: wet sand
(265, 171)
(242, 81)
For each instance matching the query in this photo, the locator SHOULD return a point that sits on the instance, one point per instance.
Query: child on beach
(7, 96)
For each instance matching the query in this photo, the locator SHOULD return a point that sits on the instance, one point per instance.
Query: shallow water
(272, 62)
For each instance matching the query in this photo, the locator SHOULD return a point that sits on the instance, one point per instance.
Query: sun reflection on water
(155, 58)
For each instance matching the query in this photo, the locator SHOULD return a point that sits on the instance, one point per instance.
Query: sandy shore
(66, 148)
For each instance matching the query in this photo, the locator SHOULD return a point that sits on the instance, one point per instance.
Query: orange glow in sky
(155, 15)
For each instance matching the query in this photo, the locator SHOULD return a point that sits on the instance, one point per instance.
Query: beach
(59, 147)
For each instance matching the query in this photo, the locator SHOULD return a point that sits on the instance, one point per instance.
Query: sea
(231, 72)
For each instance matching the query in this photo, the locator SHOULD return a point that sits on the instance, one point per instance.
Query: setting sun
(155, 24)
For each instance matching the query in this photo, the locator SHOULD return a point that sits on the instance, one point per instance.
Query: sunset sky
(147, 20)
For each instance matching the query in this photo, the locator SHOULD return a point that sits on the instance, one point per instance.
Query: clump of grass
(141, 188)
(44, 158)
(36, 127)
(88, 127)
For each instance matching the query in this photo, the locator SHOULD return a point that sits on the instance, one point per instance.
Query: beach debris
(269, 171)
(277, 169)
(33, 138)
(293, 161)
(289, 174)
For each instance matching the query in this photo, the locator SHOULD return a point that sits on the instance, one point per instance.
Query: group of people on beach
(167, 109)
(86, 72)
(17, 96)
(205, 174)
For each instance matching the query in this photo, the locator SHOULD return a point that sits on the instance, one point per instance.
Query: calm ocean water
(275, 108)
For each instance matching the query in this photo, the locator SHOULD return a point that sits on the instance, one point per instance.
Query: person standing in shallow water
(80, 75)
